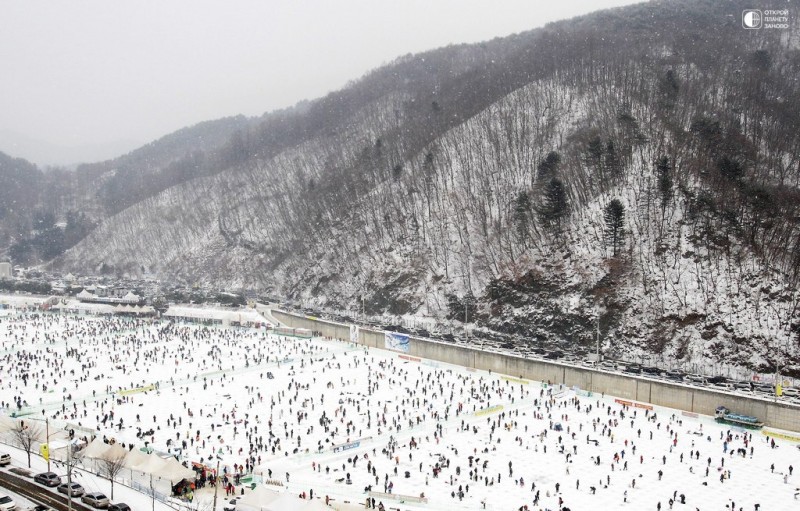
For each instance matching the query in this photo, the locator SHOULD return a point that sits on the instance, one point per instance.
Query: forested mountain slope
(641, 163)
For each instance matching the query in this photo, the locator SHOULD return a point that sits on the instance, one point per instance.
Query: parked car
(652, 371)
(42, 507)
(5, 459)
(724, 386)
(743, 385)
(7, 503)
(675, 375)
(696, 379)
(48, 479)
(71, 489)
(96, 500)
(608, 365)
(791, 392)
(764, 388)
(119, 506)
(633, 369)
(592, 364)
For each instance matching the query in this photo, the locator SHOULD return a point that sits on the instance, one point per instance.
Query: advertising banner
(396, 342)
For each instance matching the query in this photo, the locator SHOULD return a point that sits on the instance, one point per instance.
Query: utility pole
(47, 439)
(216, 486)
(69, 476)
(466, 311)
(598, 337)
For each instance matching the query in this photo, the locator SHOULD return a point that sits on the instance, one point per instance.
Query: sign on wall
(354, 334)
(396, 341)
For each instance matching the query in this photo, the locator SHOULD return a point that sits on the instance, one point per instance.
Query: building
(5, 270)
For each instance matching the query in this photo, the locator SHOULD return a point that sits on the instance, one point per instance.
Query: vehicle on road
(632, 369)
(652, 371)
(119, 506)
(5, 459)
(48, 479)
(71, 489)
(695, 379)
(724, 416)
(7, 503)
(675, 375)
(96, 500)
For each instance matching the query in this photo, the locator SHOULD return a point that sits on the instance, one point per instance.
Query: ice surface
(215, 381)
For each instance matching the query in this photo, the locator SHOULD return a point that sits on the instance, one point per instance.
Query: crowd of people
(329, 418)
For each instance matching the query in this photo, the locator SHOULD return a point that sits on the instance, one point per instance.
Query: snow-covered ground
(291, 406)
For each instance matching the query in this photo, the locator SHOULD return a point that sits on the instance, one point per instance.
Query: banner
(783, 436)
(136, 390)
(396, 342)
(354, 334)
(635, 405)
(44, 450)
(487, 411)
(346, 447)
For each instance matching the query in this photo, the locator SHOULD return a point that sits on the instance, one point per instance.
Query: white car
(7, 503)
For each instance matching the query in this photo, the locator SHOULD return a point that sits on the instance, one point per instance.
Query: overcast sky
(84, 73)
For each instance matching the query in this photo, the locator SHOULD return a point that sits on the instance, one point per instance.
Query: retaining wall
(672, 395)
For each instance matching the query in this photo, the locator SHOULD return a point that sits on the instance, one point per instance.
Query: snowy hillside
(649, 172)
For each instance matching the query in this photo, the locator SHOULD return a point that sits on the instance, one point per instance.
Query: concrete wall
(672, 395)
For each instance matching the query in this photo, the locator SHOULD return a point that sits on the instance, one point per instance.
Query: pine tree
(614, 216)
(548, 167)
(613, 165)
(554, 203)
(664, 174)
(522, 209)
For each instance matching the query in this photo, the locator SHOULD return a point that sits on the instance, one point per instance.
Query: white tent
(134, 458)
(151, 465)
(291, 502)
(257, 498)
(96, 448)
(172, 470)
(312, 505)
(7, 424)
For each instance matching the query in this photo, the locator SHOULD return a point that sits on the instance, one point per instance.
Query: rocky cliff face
(640, 165)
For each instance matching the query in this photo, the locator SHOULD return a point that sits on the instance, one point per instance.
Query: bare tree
(111, 463)
(25, 434)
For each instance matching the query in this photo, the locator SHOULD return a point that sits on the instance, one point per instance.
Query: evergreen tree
(522, 209)
(730, 169)
(613, 165)
(554, 202)
(548, 167)
(614, 216)
(664, 174)
(594, 153)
